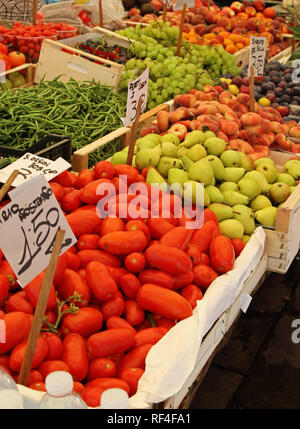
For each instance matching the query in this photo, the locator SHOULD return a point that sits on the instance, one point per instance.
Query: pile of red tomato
(28, 38)
(116, 292)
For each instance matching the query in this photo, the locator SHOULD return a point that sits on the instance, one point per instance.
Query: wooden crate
(213, 340)
(75, 65)
(242, 56)
(283, 241)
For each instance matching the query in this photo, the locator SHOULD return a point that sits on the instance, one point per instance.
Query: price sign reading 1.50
(28, 226)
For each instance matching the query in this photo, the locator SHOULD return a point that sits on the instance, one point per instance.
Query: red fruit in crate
(16, 58)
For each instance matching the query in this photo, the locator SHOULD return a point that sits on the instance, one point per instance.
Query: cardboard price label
(180, 3)
(30, 166)
(136, 89)
(28, 226)
(258, 49)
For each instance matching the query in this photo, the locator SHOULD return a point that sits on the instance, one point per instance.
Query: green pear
(170, 137)
(169, 149)
(266, 216)
(196, 152)
(176, 175)
(292, 167)
(279, 192)
(234, 174)
(249, 187)
(165, 163)
(187, 162)
(233, 197)
(260, 202)
(292, 188)
(232, 228)
(215, 146)
(119, 158)
(182, 151)
(246, 162)
(268, 170)
(222, 211)
(231, 158)
(259, 161)
(259, 178)
(228, 186)
(154, 178)
(208, 134)
(217, 166)
(286, 178)
(246, 238)
(156, 138)
(202, 172)
(148, 157)
(145, 143)
(215, 194)
(245, 215)
(194, 137)
(195, 193)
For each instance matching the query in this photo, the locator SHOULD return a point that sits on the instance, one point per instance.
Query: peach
(250, 119)
(266, 139)
(186, 100)
(241, 146)
(295, 148)
(149, 129)
(210, 126)
(209, 88)
(225, 97)
(244, 134)
(240, 109)
(254, 129)
(222, 136)
(290, 123)
(201, 95)
(295, 132)
(263, 149)
(277, 128)
(163, 120)
(208, 118)
(207, 108)
(179, 130)
(243, 99)
(267, 125)
(283, 142)
(231, 116)
(186, 123)
(229, 127)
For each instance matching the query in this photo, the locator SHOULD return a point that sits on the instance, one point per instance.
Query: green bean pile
(83, 111)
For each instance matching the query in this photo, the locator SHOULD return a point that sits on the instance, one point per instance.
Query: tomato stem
(151, 320)
(72, 310)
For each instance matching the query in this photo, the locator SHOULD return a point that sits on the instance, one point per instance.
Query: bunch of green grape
(155, 47)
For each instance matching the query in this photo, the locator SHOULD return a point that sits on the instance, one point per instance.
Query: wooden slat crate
(213, 340)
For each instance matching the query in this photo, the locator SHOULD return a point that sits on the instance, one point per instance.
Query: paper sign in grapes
(28, 227)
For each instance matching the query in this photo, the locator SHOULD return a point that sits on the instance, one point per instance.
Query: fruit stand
(168, 216)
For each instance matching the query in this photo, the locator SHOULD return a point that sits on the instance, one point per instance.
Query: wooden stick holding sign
(8, 184)
(295, 24)
(133, 132)
(38, 318)
(100, 13)
(181, 30)
(164, 10)
(34, 8)
(251, 89)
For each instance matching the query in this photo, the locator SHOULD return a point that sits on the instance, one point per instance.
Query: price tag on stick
(137, 89)
(38, 318)
(30, 165)
(28, 226)
(133, 133)
(179, 5)
(258, 49)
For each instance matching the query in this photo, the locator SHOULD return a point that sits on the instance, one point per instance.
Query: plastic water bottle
(10, 397)
(114, 399)
(60, 395)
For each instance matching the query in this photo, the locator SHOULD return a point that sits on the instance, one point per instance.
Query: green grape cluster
(155, 47)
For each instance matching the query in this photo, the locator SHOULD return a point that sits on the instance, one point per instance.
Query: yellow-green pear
(152, 136)
(246, 216)
(182, 151)
(232, 228)
(165, 163)
(246, 162)
(292, 167)
(231, 158)
(196, 152)
(286, 178)
(215, 146)
(194, 137)
(186, 162)
(246, 238)
(202, 172)
(233, 197)
(249, 187)
(208, 134)
(145, 143)
(148, 157)
(266, 216)
(259, 178)
(259, 161)
(217, 166)
(222, 211)
(228, 186)
(215, 194)
(260, 202)
(177, 175)
(268, 170)
(234, 174)
(154, 178)
(195, 193)
(169, 149)
(119, 158)
(170, 137)
(279, 192)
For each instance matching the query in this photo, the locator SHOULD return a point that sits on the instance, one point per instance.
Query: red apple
(158, 4)
(244, 89)
(283, 110)
(245, 81)
(134, 12)
(259, 5)
(237, 7)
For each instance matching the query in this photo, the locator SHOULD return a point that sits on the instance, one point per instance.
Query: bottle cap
(59, 383)
(114, 399)
(11, 399)
(6, 381)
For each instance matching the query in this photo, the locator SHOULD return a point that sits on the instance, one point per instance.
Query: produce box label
(28, 226)
(30, 165)
(258, 49)
(180, 4)
(136, 89)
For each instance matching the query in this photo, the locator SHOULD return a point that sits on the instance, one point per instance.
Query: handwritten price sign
(180, 3)
(136, 89)
(30, 166)
(28, 225)
(258, 48)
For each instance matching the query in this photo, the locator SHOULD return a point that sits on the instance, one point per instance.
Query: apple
(245, 89)
(259, 5)
(134, 12)
(245, 81)
(237, 7)
(158, 4)
(283, 110)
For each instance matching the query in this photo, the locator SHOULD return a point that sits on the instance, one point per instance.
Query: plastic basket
(50, 147)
